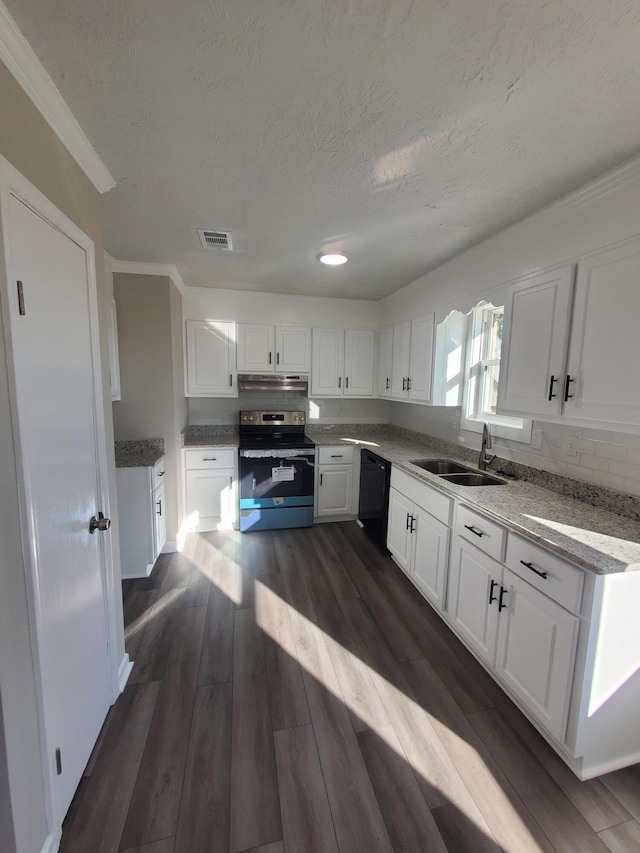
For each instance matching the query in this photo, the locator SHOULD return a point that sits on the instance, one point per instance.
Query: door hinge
(58, 762)
(21, 308)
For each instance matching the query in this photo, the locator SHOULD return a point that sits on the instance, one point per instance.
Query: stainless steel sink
(471, 478)
(440, 466)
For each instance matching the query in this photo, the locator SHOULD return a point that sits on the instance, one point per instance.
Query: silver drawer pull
(473, 530)
(533, 569)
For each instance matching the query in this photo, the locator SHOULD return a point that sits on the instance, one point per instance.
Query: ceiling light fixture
(333, 259)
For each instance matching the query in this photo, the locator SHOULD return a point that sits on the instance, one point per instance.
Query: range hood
(273, 382)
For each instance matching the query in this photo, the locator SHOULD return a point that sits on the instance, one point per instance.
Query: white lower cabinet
(336, 488)
(210, 488)
(525, 636)
(560, 640)
(141, 518)
(418, 533)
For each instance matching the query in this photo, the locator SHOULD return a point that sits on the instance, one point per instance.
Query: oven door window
(268, 478)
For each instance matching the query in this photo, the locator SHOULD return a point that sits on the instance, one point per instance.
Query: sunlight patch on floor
(316, 652)
(216, 565)
(151, 612)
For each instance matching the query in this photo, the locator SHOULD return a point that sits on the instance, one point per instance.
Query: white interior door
(55, 410)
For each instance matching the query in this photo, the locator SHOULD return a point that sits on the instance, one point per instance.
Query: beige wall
(152, 404)
(29, 144)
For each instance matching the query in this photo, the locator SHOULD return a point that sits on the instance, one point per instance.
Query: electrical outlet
(571, 445)
(536, 439)
(454, 422)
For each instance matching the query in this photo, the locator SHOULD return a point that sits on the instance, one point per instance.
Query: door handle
(551, 384)
(387, 385)
(159, 505)
(501, 605)
(339, 381)
(568, 381)
(408, 518)
(492, 597)
(412, 529)
(100, 523)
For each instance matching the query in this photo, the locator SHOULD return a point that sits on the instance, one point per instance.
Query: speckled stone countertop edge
(138, 453)
(590, 537)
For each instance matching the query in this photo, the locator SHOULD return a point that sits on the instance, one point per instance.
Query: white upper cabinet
(449, 360)
(602, 382)
(411, 374)
(385, 361)
(359, 346)
(342, 362)
(597, 381)
(537, 315)
(400, 362)
(211, 359)
(421, 360)
(269, 349)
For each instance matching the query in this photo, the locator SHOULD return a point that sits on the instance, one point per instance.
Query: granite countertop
(209, 436)
(594, 538)
(139, 453)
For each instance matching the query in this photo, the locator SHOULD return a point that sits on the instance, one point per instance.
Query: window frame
(472, 418)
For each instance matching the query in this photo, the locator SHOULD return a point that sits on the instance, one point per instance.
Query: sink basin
(471, 478)
(440, 466)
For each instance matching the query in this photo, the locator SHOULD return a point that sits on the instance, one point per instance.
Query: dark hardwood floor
(293, 693)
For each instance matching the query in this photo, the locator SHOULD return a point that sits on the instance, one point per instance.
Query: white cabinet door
(335, 489)
(421, 358)
(536, 652)
(209, 498)
(473, 597)
(210, 362)
(604, 353)
(293, 349)
(359, 348)
(399, 539)
(255, 351)
(385, 361)
(431, 556)
(160, 519)
(327, 362)
(537, 315)
(400, 361)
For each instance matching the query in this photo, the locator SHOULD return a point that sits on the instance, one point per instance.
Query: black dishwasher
(373, 506)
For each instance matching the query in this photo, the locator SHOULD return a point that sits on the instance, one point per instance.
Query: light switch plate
(571, 445)
(536, 439)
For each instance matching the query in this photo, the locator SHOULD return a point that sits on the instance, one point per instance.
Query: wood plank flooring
(293, 693)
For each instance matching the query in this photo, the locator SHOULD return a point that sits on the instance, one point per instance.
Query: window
(484, 348)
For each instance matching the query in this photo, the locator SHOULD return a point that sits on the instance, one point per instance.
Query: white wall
(604, 212)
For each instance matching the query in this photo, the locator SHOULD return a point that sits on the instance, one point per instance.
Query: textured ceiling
(398, 131)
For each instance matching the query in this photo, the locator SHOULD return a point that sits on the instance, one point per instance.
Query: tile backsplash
(207, 410)
(603, 457)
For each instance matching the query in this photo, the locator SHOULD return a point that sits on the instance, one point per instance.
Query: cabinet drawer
(485, 534)
(335, 455)
(430, 499)
(210, 457)
(563, 582)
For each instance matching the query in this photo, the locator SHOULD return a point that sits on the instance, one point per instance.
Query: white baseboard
(124, 671)
(169, 548)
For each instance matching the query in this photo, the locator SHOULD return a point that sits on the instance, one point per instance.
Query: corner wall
(151, 377)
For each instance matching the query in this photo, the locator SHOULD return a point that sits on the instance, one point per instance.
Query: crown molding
(141, 268)
(17, 54)
(604, 184)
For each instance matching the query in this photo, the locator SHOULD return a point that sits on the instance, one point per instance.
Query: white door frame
(14, 183)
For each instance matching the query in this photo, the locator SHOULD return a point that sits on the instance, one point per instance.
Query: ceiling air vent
(215, 239)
